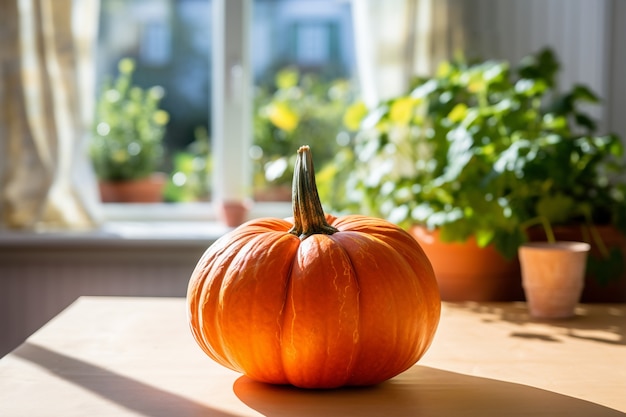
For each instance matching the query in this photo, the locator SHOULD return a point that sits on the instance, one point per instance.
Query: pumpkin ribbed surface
(355, 304)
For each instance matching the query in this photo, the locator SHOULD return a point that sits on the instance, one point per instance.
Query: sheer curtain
(398, 39)
(46, 99)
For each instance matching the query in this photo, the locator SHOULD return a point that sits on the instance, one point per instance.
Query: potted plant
(575, 183)
(189, 180)
(472, 154)
(127, 144)
(299, 109)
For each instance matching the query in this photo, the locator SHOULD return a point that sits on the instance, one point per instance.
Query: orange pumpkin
(317, 302)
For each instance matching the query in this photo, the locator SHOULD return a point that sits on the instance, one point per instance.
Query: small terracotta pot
(595, 290)
(553, 276)
(233, 213)
(143, 190)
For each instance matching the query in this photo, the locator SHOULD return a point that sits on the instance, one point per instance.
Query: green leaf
(556, 208)
(484, 237)
(583, 93)
(530, 87)
(508, 243)
(554, 122)
(543, 65)
(585, 121)
(454, 232)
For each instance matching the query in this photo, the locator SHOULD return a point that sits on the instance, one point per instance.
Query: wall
(37, 281)
(587, 36)
(617, 74)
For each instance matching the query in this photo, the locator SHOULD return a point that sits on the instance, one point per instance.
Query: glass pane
(303, 67)
(303, 59)
(169, 42)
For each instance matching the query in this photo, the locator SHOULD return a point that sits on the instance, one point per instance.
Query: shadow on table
(126, 392)
(599, 323)
(420, 391)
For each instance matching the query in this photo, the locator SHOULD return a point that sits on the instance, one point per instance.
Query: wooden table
(107, 356)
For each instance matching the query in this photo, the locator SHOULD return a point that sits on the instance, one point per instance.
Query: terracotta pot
(233, 213)
(467, 272)
(595, 290)
(553, 276)
(143, 190)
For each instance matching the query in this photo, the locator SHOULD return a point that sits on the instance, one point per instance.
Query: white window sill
(186, 211)
(144, 224)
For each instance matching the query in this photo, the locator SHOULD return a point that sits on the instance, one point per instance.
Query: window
(171, 42)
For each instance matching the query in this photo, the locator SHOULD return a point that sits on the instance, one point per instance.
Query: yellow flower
(402, 110)
(287, 78)
(120, 156)
(444, 69)
(476, 83)
(126, 65)
(161, 117)
(283, 117)
(354, 115)
(458, 113)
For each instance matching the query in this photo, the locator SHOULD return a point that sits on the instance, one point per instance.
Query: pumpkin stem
(308, 214)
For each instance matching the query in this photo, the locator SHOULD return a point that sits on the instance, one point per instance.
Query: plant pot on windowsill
(233, 212)
(141, 190)
(126, 147)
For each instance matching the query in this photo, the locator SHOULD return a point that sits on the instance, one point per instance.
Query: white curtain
(46, 99)
(398, 39)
